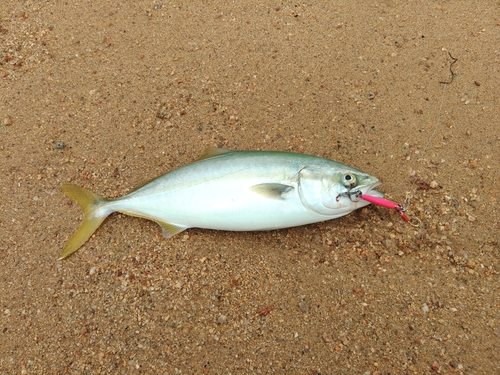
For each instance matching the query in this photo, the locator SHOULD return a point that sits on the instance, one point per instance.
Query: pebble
(435, 366)
(7, 121)
(163, 113)
(59, 145)
(470, 264)
(304, 306)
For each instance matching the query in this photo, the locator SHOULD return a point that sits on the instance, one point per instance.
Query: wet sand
(108, 95)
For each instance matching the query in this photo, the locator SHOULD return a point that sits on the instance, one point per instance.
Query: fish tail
(93, 216)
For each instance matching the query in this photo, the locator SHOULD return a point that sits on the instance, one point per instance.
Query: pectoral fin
(272, 190)
(170, 230)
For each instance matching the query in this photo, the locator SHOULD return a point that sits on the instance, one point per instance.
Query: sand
(108, 95)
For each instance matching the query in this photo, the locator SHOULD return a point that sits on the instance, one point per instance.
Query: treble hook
(350, 193)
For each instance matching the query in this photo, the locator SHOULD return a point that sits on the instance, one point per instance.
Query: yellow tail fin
(92, 216)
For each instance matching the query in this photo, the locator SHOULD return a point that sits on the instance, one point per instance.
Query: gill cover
(319, 191)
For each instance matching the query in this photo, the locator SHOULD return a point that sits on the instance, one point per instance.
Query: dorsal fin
(213, 151)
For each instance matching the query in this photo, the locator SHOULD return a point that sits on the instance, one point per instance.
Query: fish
(234, 191)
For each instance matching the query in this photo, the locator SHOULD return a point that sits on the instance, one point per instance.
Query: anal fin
(170, 230)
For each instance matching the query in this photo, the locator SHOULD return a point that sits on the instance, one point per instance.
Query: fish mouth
(368, 190)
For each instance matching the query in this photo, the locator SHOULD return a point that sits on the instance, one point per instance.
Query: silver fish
(236, 191)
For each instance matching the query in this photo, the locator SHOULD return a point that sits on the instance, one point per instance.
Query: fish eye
(349, 180)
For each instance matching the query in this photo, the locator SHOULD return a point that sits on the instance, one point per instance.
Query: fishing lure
(379, 201)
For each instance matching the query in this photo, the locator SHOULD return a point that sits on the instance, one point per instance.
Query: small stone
(425, 308)
(470, 264)
(59, 145)
(92, 270)
(304, 306)
(435, 366)
(163, 113)
(358, 291)
(7, 121)
(222, 319)
(433, 184)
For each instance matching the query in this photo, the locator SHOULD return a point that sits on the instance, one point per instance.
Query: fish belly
(223, 205)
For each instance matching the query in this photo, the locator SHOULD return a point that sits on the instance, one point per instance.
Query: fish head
(357, 182)
(336, 192)
(344, 188)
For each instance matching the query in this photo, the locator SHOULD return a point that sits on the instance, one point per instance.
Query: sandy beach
(110, 94)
